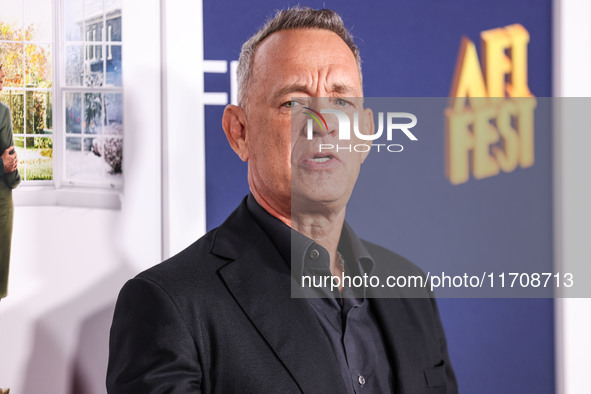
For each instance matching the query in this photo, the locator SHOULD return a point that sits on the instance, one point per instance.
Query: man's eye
(291, 104)
(341, 102)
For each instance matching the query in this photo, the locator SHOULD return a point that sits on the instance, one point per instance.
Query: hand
(10, 160)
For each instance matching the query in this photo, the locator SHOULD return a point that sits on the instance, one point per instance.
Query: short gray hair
(292, 18)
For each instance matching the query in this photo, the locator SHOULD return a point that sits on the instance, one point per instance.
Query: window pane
(94, 75)
(48, 97)
(74, 113)
(39, 159)
(113, 6)
(95, 167)
(113, 134)
(93, 113)
(113, 114)
(74, 159)
(93, 28)
(113, 65)
(11, 20)
(73, 19)
(103, 159)
(94, 159)
(114, 24)
(38, 20)
(19, 147)
(13, 64)
(74, 70)
(38, 66)
(93, 10)
(15, 101)
(35, 157)
(112, 152)
(38, 112)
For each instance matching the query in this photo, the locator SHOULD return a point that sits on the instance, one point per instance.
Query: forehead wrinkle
(327, 80)
(315, 88)
(292, 88)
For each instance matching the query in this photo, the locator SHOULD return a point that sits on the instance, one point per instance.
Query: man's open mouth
(321, 159)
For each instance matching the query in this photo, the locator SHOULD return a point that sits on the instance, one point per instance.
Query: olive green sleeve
(11, 179)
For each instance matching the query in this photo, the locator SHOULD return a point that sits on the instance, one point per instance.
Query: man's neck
(285, 216)
(324, 230)
(322, 226)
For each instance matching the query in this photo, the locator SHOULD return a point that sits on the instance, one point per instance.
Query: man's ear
(368, 127)
(234, 124)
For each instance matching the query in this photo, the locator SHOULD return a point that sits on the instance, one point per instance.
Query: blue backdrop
(409, 49)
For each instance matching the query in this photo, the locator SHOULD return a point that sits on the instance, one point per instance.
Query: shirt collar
(276, 230)
(294, 247)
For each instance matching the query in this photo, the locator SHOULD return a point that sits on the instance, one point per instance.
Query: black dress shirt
(346, 317)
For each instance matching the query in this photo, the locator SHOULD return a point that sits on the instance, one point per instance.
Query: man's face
(294, 69)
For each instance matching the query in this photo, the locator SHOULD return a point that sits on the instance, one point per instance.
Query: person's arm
(151, 348)
(10, 175)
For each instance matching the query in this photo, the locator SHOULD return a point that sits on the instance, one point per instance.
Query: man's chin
(318, 200)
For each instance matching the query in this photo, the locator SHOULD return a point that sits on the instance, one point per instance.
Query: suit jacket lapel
(260, 282)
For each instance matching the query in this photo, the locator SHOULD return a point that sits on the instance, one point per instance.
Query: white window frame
(24, 89)
(61, 191)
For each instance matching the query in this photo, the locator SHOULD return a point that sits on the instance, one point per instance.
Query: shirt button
(314, 254)
(361, 380)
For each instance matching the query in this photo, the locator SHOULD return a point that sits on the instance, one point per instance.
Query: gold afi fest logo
(489, 123)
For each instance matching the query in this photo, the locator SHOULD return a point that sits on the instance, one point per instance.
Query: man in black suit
(227, 314)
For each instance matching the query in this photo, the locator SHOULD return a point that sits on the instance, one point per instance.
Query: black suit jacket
(219, 318)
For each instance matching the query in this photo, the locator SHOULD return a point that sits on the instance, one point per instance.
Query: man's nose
(318, 123)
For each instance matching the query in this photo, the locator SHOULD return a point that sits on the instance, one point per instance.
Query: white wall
(65, 272)
(183, 125)
(68, 264)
